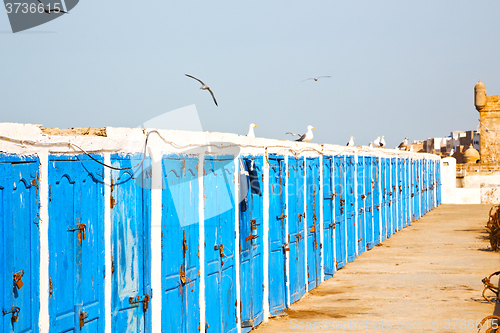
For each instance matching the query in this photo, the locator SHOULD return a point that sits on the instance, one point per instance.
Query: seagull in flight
(56, 10)
(304, 137)
(351, 142)
(315, 78)
(203, 86)
(251, 133)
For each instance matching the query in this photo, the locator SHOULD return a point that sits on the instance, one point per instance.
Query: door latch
(253, 225)
(144, 299)
(282, 217)
(17, 279)
(302, 216)
(220, 248)
(285, 247)
(82, 227)
(15, 313)
(83, 315)
(249, 238)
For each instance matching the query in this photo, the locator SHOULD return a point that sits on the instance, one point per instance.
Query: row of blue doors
(389, 194)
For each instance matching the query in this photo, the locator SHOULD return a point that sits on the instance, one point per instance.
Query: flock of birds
(379, 142)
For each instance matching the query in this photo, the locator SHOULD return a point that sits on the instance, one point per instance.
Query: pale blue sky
(398, 68)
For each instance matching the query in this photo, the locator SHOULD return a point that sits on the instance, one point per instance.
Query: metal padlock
(18, 279)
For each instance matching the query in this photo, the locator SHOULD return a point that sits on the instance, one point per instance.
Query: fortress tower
(489, 116)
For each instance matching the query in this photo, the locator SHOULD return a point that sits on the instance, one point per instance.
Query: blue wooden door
(394, 195)
(405, 204)
(277, 241)
(416, 191)
(360, 198)
(432, 183)
(369, 181)
(376, 208)
(408, 190)
(19, 243)
(340, 211)
(296, 222)
(180, 244)
(76, 201)
(251, 263)
(220, 286)
(391, 218)
(384, 194)
(130, 223)
(328, 218)
(352, 242)
(400, 194)
(313, 227)
(427, 184)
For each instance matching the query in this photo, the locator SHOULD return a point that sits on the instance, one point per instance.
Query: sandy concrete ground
(426, 277)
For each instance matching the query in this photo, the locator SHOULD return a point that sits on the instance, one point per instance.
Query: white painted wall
(448, 180)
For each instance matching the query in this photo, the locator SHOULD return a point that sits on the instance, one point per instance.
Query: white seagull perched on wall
(382, 142)
(403, 145)
(351, 142)
(204, 87)
(376, 142)
(304, 137)
(251, 133)
(316, 78)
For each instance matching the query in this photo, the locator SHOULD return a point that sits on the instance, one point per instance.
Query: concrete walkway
(426, 277)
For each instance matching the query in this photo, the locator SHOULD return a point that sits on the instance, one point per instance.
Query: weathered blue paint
(340, 211)
(350, 206)
(296, 225)
(369, 182)
(277, 240)
(130, 230)
(251, 262)
(360, 198)
(180, 244)
(313, 223)
(19, 241)
(76, 195)
(220, 287)
(377, 204)
(328, 218)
